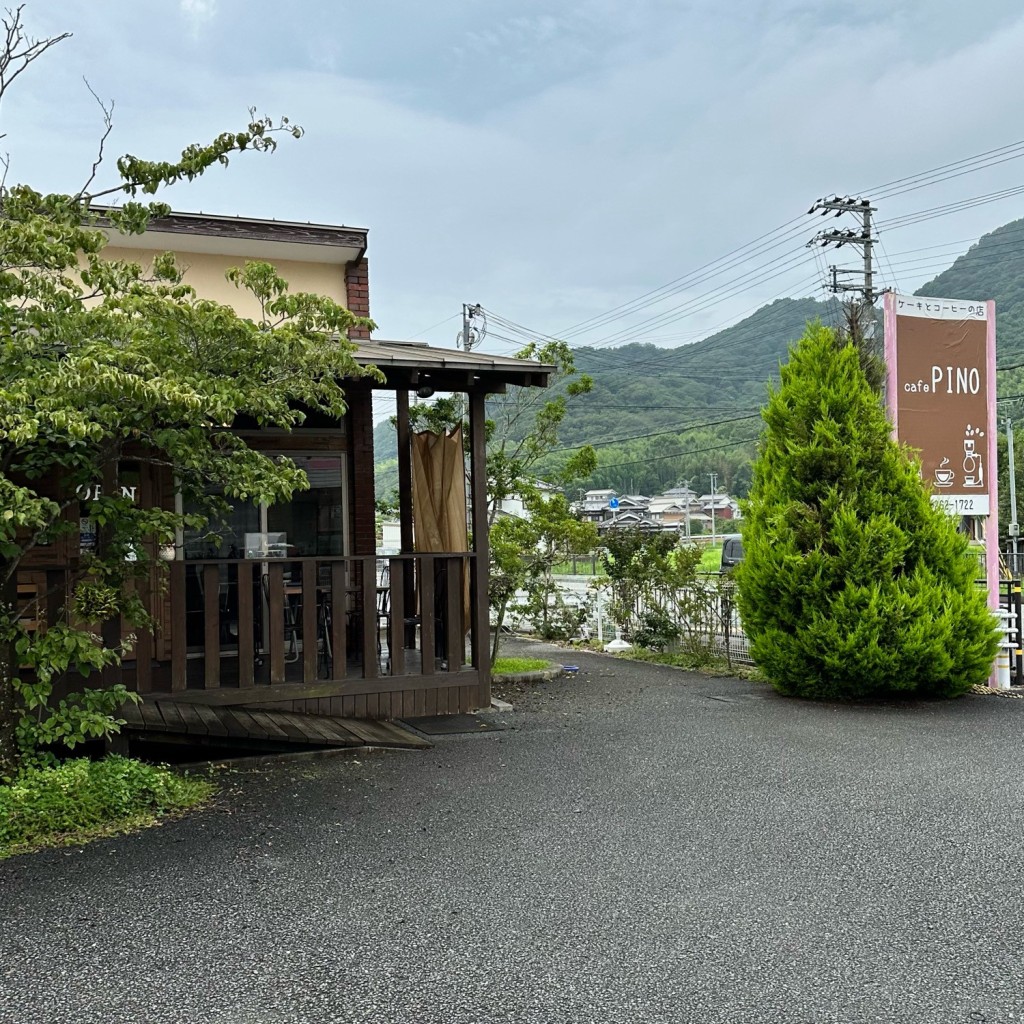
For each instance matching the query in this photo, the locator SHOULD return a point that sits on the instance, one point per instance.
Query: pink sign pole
(892, 406)
(992, 524)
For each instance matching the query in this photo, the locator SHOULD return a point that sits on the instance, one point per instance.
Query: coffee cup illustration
(943, 476)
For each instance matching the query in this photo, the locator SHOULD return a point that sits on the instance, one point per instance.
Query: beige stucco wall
(205, 272)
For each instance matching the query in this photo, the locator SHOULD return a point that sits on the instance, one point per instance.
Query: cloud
(198, 13)
(550, 158)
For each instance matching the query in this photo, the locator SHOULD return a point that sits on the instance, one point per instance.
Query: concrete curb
(539, 675)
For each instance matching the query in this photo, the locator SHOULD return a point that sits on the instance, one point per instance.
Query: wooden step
(284, 728)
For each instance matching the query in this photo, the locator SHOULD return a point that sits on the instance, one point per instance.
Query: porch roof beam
(411, 366)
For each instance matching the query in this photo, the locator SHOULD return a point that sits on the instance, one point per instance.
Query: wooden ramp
(180, 721)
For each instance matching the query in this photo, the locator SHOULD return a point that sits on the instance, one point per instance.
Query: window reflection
(312, 523)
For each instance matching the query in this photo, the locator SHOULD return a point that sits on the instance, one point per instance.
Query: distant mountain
(993, 268)
(642, 387)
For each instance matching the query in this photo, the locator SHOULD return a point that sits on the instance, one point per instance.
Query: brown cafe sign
(941, 395)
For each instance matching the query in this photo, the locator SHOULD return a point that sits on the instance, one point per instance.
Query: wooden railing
(244, 623)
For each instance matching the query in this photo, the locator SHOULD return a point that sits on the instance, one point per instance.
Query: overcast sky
(550, 160)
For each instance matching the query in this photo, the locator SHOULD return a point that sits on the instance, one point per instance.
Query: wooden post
(481, 547)
(405, 509)
(371, 626)
(396, 625)
(211, 626)
(455, 641)
(275, 616)
(310, 655)
(426, 581)
(339, 621)
(179, 650)
(149, 589)
(246, 623)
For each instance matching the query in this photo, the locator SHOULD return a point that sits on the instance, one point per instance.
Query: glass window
(312, 523)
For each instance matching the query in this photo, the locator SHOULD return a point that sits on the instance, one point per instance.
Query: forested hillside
(661, 402)
(659, 416)
(993, 268)
(670, 406)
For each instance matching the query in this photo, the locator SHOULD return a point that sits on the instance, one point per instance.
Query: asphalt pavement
(638, 844)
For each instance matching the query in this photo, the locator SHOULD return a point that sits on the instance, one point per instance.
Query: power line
(708, 333)
(706, 300)
(682, 429)
(760, 246)
(737, 336)
(677, 455)
(898, 186)
(931, 213)
(965, 165)
(910, 183)
(683, 279)
(690, 302)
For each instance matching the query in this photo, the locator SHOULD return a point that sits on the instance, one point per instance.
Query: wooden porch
(314, 622)
(355, 636)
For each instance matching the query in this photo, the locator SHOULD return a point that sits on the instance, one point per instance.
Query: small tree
(853, 584)
(653, 580)
(106, 359)
(523, 430)
(524, 552)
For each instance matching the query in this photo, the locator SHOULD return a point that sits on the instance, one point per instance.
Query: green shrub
(81, 799)
(853, 584)
(656, 630)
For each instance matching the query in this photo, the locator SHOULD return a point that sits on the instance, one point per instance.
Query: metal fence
(701, 617)
(1010, 600)
(706, 616)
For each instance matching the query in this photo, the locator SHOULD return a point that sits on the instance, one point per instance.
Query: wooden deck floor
(178, 721)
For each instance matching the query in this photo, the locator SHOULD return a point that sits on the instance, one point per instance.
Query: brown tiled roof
(217, 226)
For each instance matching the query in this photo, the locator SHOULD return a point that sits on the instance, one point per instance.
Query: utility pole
(474, 327)
(861, 314)
(686, 484)
(862, 238)
(473, 332)
(1013, 529)
(714, 485)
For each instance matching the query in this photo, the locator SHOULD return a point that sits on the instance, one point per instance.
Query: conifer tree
(853, 584)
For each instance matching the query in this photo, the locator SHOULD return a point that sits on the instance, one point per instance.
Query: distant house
(631, 520)
(634, 503)
(594, 507)
(679, 510)
(721, 505)
(514, 505)
(680, 494)
(669, 508)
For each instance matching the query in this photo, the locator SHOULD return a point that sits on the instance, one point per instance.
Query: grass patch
(711, 559)
(513, 666)
(82, 800)
(581, 567)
